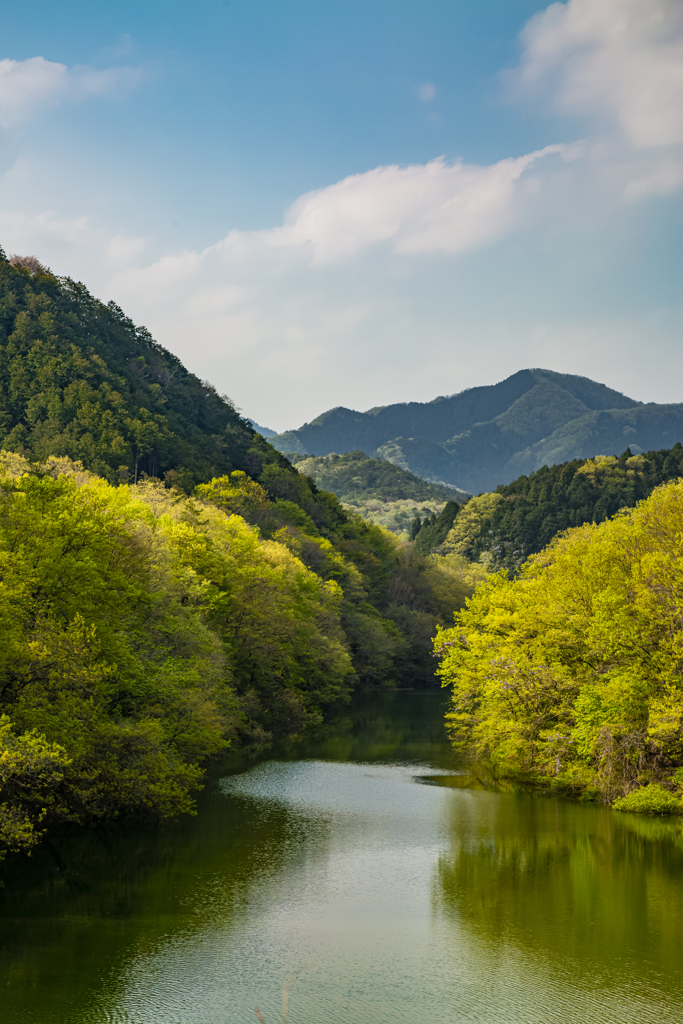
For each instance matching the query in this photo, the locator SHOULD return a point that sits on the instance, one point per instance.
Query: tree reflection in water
(577, 890)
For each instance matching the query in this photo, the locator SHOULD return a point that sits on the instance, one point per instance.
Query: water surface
(359, 878)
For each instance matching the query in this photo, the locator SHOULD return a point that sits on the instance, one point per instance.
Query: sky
(356, 202)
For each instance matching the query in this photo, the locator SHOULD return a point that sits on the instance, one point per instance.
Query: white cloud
(27, 86)
(214, 300)
(427, 92)
(73, 246)
(665, 178)
(41, 232)
(122, 250)
(355, 298)
(438, 207)
(615, 59)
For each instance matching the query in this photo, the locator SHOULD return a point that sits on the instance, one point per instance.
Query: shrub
(652, 799)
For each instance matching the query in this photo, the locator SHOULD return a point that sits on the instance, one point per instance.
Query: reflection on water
(588, 900)
(353, 879)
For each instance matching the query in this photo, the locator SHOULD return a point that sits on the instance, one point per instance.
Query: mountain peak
(478, 438)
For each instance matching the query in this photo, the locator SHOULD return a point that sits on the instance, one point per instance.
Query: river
(356, 878)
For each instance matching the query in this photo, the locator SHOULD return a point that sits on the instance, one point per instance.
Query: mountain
(486, 436)
(170, 582)
(263, 431)
(376, 489)
(79, 379)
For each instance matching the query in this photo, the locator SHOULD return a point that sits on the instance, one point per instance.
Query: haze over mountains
(490, 435)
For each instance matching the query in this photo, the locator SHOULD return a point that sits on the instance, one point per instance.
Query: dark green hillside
(488, 436)
(379, 490)
(354, 475)
(431, 532)
(79, 379)
(534, 508)
(643, 427)
(549, 399)
(475, 440)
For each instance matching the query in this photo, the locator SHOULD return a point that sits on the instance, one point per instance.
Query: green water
(356, 879)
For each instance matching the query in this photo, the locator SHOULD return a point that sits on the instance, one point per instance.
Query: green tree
(570, 674)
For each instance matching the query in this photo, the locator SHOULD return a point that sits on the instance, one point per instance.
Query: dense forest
(431, 533)
(378, 490)
(79, 379)
(517, 520)
(569, 675)
(171, 583)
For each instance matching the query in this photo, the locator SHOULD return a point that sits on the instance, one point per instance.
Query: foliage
(397, 516)
(354, 476)
(431, 533)
(146, 625)
(652, 799)
(78, 379)
(570, 674)
(525, 515)
(141, 630)
(472, 523)
(144, 629)
(30, 771)
(376, 489)
(393, 598)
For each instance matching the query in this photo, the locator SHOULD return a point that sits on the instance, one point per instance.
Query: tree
(570, 674)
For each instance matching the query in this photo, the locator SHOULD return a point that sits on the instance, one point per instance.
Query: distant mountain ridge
(263, 431)
(490, 435)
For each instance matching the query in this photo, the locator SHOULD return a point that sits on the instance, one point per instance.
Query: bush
(652, 799)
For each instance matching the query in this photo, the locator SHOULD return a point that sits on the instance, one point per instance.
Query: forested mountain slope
(79, 379)
(170, 582)
(486, 436)
(520, 519)
(377, 489)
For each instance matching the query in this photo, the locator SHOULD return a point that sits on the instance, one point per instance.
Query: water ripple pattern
(326, 890)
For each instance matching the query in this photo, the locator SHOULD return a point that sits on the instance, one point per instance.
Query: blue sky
(353, 203)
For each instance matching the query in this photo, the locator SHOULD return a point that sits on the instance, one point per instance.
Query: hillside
(569, 674)
(521, 518)
(486, 436)
(263, 431)
(378, 490)
(171, 583)
(79, 379)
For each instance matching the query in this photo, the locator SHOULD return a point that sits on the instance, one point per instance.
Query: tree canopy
(79, 379)
(144, 630)
(570, 674)
(171, 584)
(521, 518)
(377, 489)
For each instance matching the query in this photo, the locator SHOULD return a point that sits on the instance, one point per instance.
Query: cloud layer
(405, 282)
(438, 207)
(619, 60)
(28, 86)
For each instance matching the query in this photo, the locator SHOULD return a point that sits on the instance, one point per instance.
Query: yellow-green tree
(571, 673)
